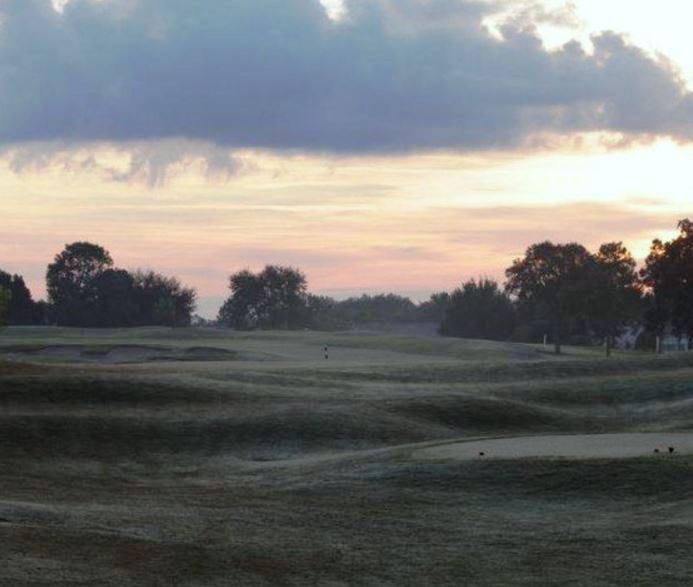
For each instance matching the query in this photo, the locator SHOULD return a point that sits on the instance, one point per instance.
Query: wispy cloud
(148, 162)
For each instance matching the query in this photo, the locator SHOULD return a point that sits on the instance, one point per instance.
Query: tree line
(562, 291)
(85, 289)
(571, 294)
(278, 298)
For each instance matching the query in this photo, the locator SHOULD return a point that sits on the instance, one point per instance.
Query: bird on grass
(671, 450)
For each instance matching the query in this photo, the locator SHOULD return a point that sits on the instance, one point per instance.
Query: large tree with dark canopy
(613, 292)
(159, 300)
(553, 276)
(668, 273)
(70, 282)
(114, 301)
(283, 297)
(86, 290)
(479, 309)
(241, 310)
(275, 298)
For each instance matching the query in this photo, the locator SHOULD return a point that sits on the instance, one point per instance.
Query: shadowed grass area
(388, 522)
(12, 368)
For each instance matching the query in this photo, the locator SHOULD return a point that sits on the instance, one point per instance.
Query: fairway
(207, 457)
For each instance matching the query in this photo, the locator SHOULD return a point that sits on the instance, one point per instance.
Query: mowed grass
(272, 466)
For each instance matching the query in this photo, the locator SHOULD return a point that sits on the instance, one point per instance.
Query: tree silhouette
(114, 303)
(5, 297)
(70, 279)
(379, 309)
(613, 292)
(274, 298)
(668, 273)
(553, 276)
(21, 308)
(85, 290)
(161, 300)
(434, 308)
(479, 309)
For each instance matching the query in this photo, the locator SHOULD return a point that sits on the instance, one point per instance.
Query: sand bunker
(586, 446)
(116, 354)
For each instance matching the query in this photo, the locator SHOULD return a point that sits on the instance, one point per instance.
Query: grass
(265, 464)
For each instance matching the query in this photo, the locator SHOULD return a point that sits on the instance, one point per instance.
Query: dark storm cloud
(391, 77)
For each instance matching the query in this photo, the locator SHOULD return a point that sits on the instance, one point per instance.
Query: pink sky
(412, 225)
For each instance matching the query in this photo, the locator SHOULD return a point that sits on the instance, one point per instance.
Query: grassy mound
(469, 415)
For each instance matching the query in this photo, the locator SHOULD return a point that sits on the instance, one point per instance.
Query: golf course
(204, 456)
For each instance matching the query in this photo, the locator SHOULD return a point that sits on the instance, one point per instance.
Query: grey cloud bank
(279, 74)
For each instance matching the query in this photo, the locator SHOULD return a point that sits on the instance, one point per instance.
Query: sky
(379, 145)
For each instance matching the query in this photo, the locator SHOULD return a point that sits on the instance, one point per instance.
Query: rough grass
(295, 471)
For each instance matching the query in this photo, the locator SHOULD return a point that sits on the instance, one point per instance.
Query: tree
(5, 298)
(613, 297)
(668, 273)
(70, 280)
(161, 300)
(434, 309)
(324, 313)
(283, 297)
(553, 276)
(275, 298)
(42, 313)
(379, 309)
(85, 290)
(114, 304)
(241, 310)
(21, 308)
(479, 309)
